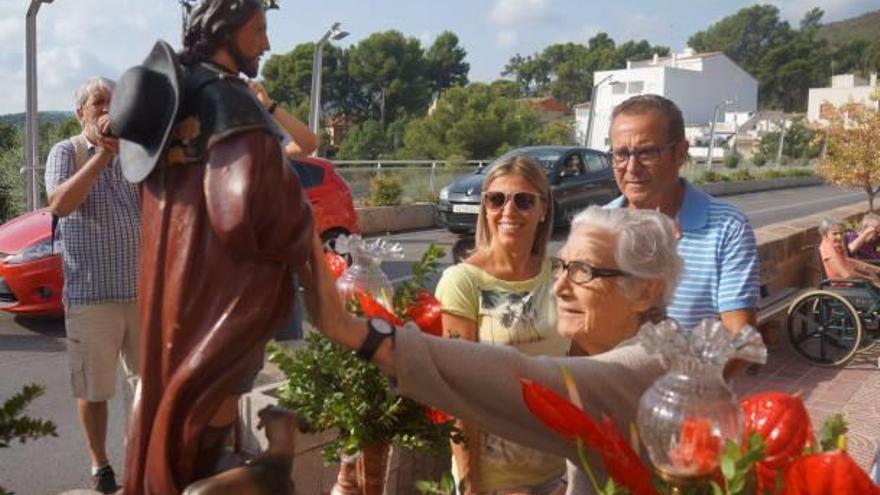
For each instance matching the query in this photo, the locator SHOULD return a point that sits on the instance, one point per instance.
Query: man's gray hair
(645, 245)
(829, 224)
(89, 87)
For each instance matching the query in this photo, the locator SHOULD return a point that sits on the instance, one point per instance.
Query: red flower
(829, 473)
(784, 424)
(437, 416)
(698, 449)
(426, 312)
(560, 415)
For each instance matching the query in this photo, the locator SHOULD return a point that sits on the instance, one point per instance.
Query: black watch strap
(377, 331)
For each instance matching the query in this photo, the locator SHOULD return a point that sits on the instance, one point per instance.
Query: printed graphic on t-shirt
(511, 317)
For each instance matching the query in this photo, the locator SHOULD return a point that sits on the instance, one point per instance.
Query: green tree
(786, 62)
(12, 182)
(390, 69)
(800, 143)
(565, 70)
(288, 80)
(364, 141)
(9, 136)
(556, 132)
(745, 37)
(445, 63)
(471, 122)
(505, 87)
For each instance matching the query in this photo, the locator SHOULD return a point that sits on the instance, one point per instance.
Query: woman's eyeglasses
(523, 200)
(581, 273)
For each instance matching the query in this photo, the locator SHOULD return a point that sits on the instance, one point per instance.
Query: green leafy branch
(405, 293)
(14, 425)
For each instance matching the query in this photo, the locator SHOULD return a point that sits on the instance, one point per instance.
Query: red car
(31, 273)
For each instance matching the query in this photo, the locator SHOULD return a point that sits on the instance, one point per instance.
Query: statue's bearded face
(249, 44)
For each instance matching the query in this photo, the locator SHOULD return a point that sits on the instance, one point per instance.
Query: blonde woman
(501, 295)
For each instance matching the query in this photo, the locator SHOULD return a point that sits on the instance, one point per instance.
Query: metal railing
(421, 179)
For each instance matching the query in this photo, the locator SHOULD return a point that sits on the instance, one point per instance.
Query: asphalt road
(33, 352)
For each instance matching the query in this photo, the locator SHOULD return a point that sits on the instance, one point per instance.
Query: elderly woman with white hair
(617, 269)
(835, 258)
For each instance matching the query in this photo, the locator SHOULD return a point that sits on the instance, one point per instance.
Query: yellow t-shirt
(521, 314)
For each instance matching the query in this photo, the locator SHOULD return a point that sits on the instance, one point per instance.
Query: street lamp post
(32, 120)
(334, 33)
(712, 131)
(589, 135)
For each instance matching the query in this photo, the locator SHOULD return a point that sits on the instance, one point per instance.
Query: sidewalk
(853, 391)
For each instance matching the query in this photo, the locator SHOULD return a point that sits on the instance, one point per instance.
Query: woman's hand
(328, 314)
(322, 300)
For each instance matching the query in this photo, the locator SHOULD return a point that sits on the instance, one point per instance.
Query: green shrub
(759, 160)
(731, 161)
(741, 175)
(711, 176)
(385, 190)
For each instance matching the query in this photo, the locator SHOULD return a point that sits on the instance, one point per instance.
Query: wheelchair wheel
(824, 328)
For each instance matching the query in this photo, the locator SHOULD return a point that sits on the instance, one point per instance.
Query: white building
(845, 88)
(696, 82)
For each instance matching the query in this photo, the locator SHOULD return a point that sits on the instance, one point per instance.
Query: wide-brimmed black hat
(143, 110)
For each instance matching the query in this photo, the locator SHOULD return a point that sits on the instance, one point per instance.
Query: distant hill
(17, 119)
(865, 26)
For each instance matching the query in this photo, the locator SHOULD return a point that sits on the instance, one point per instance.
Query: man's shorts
(98, 336)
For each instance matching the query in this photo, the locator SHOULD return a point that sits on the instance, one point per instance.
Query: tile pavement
(853, 390)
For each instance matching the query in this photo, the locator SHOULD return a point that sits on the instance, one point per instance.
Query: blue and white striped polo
(720, 258)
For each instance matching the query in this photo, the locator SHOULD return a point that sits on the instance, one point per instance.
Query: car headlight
(31, 253)
(444, 194)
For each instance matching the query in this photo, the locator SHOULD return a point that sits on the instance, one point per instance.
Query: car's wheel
(460, 230)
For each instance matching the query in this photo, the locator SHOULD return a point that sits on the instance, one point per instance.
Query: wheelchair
(829, 325)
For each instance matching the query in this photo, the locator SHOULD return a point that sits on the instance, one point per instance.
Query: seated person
(835, 259)
(572, 166)
(865, 244)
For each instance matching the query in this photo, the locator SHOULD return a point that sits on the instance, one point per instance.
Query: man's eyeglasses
(523, 200)
(645, 156)
(581, 273)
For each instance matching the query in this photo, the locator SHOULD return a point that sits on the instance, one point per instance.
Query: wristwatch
(377, 331)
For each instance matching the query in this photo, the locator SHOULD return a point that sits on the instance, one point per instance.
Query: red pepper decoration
(698, 449)
(426, 312)
(829, 473)
(560, 415)
(372, 309)
(336, 263)
(784, 424)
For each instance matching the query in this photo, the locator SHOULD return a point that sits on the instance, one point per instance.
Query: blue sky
(80, 38)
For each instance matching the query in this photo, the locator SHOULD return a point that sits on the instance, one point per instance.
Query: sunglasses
(523, 200)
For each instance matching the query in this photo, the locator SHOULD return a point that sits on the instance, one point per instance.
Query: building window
(618, 89)
(636, 87)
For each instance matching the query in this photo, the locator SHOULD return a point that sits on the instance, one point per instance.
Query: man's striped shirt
(720, 259)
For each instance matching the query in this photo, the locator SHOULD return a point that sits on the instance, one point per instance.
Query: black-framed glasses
(580, 272)
(646, 156)
(522, 200)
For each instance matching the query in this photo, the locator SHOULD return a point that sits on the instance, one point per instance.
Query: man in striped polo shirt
(717, 244)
